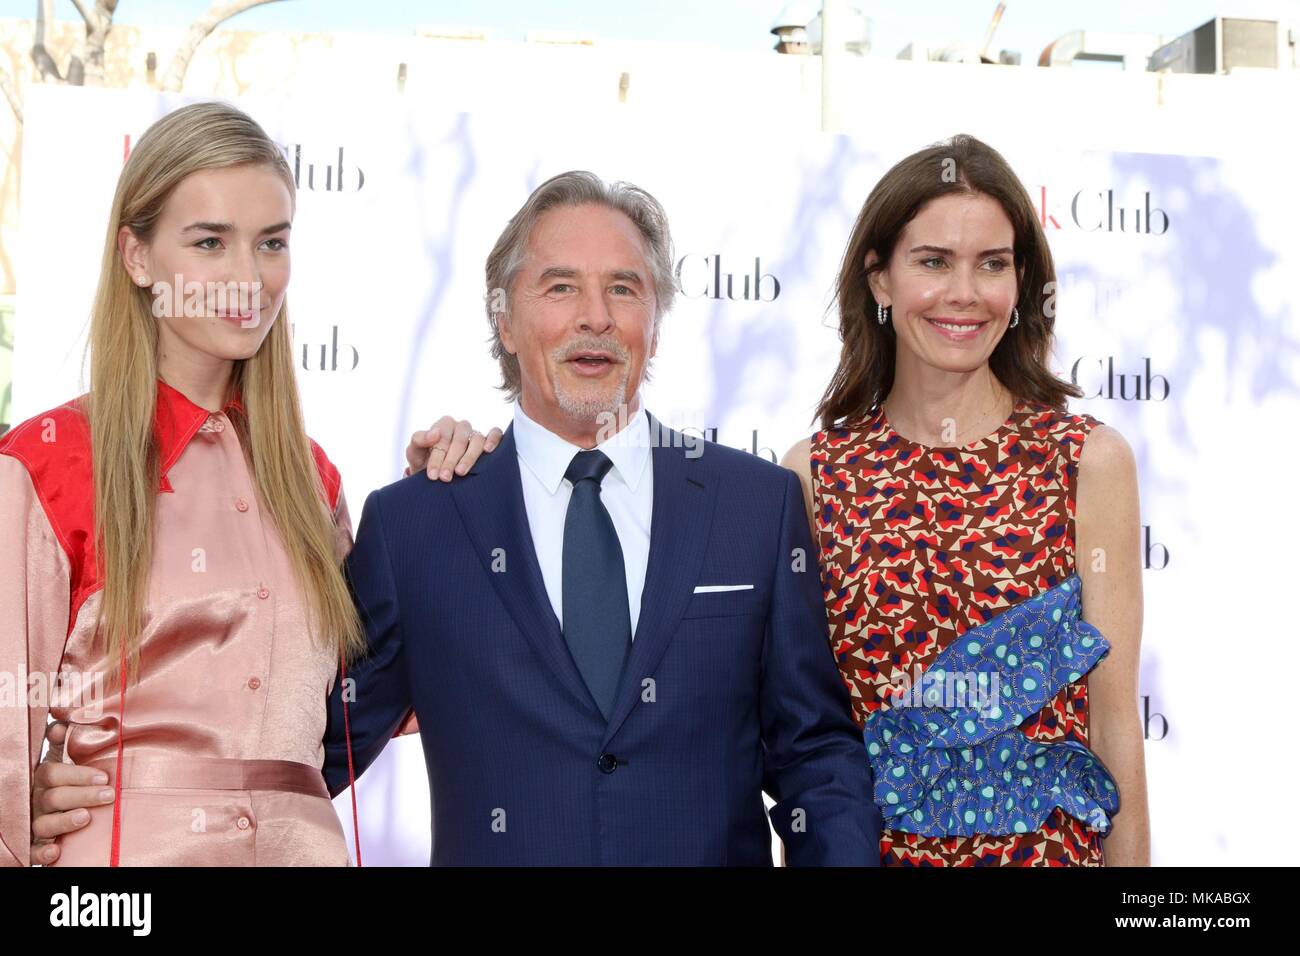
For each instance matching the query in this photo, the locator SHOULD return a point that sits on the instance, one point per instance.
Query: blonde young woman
(170, 586)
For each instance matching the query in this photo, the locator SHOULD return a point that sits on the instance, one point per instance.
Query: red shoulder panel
(54, 447)
(329, 475)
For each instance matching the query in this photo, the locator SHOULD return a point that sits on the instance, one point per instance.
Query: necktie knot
(592, 465)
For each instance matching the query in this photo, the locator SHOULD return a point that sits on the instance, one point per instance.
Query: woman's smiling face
(951, 282)
(218, 261)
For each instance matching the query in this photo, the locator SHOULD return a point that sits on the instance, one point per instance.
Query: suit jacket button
(607, 763)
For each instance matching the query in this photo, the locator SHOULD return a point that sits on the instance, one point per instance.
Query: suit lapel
(490, 500)
(680, 520)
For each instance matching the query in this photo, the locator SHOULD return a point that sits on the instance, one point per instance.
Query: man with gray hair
(624, 643)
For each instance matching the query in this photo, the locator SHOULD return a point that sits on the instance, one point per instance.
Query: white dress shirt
(627, 493)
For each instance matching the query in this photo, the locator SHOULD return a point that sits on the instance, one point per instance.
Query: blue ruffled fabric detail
(948, 756)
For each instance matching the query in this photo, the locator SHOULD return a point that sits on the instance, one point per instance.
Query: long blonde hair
(124, 387)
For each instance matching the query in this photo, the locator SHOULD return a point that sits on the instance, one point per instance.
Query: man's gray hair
(575, 188)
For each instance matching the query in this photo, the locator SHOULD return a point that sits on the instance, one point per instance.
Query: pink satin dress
(222, 731)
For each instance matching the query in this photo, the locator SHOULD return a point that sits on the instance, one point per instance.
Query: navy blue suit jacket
(724, 695)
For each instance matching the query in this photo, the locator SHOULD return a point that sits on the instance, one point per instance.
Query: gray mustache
(591, 344)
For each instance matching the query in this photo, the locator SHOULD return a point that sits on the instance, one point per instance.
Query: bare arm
(1109, 564)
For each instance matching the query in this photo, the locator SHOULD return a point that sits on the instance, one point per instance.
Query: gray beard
(594, 408)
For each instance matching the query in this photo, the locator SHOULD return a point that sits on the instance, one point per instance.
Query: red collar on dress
(176, 421)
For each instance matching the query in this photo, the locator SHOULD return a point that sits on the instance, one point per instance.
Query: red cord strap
(116, 852)
(352, 780)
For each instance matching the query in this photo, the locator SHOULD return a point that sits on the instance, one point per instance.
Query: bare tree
(86, 65)
(218, 13)
(98, 22)
(45, 65)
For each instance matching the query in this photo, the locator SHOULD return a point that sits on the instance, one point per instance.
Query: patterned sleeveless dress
(920, 544)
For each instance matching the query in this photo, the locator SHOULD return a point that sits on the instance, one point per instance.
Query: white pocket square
(718, 588)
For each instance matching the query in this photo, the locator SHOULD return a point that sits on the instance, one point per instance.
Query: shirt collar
(548, 456)
(176, 421)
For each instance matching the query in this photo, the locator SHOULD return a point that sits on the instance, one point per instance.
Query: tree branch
(98, 24)
(11, 94)
(85, 14)
(45, 64)
(198, 32)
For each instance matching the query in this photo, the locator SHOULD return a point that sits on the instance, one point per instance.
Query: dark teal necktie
(597, 626)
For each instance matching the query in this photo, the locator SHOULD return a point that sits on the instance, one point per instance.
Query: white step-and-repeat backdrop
(1184, 333)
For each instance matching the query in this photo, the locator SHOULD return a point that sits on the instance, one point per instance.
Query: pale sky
(1027, 26)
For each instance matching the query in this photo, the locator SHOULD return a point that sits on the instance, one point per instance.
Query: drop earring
(1015, 318)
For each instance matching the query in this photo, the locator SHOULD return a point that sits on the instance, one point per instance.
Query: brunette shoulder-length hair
(962, 164)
